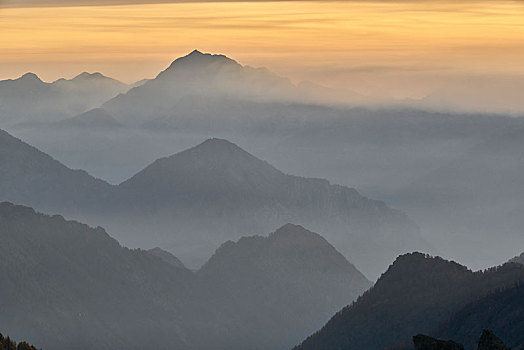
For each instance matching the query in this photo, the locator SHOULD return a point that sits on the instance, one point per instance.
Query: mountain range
(191, 202)
(67, 285)
(30, 100)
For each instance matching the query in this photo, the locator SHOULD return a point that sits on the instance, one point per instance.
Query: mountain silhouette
(29, 176)
(193, 201)
(67, 285)
(28, 100)
(206, 87)
(217, 191)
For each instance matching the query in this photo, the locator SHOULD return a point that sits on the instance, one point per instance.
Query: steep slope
(501, 311)
(415, 294)
(216, 191)
(30, 100)
(69, 286)
(28, 176)
(66, 285)
(292, 269)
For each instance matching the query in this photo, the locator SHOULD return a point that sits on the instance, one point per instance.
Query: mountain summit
(197, 60)
(186, 88)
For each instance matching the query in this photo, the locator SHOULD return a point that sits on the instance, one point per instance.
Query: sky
(333, 43)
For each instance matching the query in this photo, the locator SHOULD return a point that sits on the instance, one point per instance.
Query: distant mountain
(501, 311)
(193, 201)
(66, 285)
(206, 86)
(94, 118)
(29, 176)
(217, 191)
(250, 270)
(30, 100)
(167, 257)
(415, 295)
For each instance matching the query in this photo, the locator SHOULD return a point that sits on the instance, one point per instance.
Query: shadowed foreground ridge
(423, 342)
(501, 311)
(436, 288)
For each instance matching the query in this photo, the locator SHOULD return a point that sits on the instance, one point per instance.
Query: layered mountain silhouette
(66, 285)
(193, 201)
(218, 187)
(28, 99)
(415, 295)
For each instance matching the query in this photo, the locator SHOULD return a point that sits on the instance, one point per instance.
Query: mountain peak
(218, 144)
(29, 77)
(195, 52)
(197, 60)
(87, 75)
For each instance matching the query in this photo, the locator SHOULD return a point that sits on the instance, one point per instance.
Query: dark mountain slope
(66, 285)
(28, 176)
(292, 268)
(216, 191)
(518, 259)
(501, 311)
(413, 296)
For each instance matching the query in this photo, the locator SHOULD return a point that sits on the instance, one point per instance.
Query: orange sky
(321, 41)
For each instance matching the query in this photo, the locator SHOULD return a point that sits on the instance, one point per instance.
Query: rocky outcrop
(424, 342)
(489, 341)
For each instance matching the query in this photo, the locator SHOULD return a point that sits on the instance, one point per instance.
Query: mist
(221, 206)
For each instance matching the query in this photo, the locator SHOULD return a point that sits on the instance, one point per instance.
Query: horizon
(383, 49)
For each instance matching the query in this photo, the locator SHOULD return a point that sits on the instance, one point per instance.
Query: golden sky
(316, 40)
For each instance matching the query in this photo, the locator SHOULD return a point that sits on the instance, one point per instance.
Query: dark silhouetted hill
(414, 296)
(501, 311)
